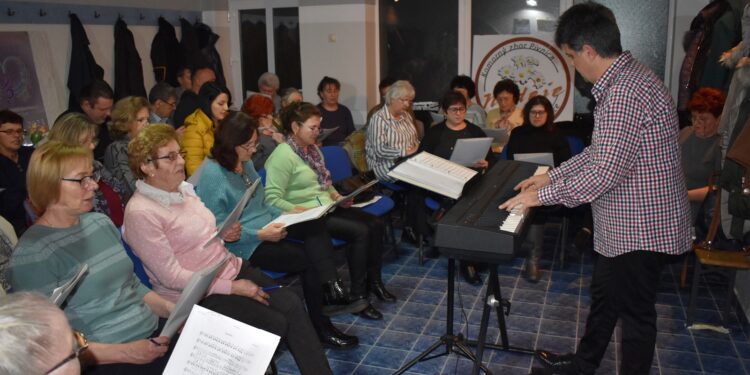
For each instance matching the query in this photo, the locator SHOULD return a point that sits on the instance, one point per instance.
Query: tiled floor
(550, 314)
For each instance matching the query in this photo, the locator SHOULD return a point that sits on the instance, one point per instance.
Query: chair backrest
(262, 174)
(504, 153)
(337, 161)
(137, 264)
(575, 144)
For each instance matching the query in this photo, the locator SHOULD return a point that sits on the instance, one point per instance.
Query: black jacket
(128, 68)
(83, 68)
(207, 43)
(166, 54)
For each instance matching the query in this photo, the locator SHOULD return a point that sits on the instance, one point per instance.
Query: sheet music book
(60, 294)
(195, 178)
(324, 133)
(434, 174)
(194, 291)
(301, 217)
(468, 151)
(235, 214)
(212, 343)
(357, 192)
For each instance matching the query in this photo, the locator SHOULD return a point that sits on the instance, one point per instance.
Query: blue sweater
(221, 189)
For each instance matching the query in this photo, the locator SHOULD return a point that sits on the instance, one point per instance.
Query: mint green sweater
(291, 182)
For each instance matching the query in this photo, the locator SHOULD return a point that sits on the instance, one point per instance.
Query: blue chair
(338, 163)
(262, 174)
(433, 206)
(137, 264)
(575, 144)
(504, 153)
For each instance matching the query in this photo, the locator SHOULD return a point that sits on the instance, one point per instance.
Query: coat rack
(47, 13)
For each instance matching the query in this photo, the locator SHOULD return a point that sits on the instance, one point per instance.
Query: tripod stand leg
(441, 341)
(494, 286)
(482, 333)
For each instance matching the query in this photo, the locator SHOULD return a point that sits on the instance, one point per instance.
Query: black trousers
(623, 287)
(313, 259)
(156, 367)
(286, 317)
(364, 233)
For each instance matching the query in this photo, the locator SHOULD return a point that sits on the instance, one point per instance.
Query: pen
(319, 202)
(154, 342)
(272, 287)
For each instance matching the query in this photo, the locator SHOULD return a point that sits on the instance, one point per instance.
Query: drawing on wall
(19, 87)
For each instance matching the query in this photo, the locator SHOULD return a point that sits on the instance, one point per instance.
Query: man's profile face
(581, 63)
(164, 109)
(98, 111)
(202, 76)
(11, 136)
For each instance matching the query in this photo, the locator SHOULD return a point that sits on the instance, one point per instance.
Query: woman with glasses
(77, 129)
(333, 113)
(37, 338)
(14, 161)
(129, 115)
(109, 305)
(297, 179)
(200, 126)
(538, 134)
(260, 108)
(170, 230)
(223, 181)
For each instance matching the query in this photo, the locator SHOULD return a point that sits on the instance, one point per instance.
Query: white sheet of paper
(468, 151)
(371, 201)
(324, 133)
(212, 343)
(60, 294)
(544, 158)
(301, 217)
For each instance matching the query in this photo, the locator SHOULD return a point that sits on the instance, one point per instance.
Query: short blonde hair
(399, 90)
(124, 115)
(144, 146)
(70, 128)
(49, 164)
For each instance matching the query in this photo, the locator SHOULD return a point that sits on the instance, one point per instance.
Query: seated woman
(198, 139)
(167, 226)
(699, 144)
(538, 134)
(333, 113)
(260, 108)
(391, 133)
(76, 129)
(129, 116)
(297, 179)
(474, 112)
(110, 306)
(440, 140)
(37, 338)
(226, 175)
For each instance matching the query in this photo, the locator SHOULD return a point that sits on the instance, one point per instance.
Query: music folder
(434, 174)
(468, 151)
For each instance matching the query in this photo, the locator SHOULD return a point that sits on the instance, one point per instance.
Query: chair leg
(420, 239)
(731, 274)
(683, 273)
(694, 292)
(563, 240)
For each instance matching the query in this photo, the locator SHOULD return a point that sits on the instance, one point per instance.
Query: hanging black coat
(207, 44)
(128, 68)
(191, 52)
(166, 56)
(83, 68)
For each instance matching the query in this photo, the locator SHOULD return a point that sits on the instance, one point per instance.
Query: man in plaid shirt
(632, 176)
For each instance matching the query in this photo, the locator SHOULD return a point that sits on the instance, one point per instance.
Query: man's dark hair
(509, 86)
(236, 129)
(328, 81)
(9, 117)
(95, 90)
(589, 23)
(196, 69)
(464, 82)
(161, 91)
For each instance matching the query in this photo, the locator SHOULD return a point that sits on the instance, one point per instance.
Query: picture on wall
(19, 86)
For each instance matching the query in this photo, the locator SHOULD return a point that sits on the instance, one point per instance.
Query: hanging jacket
(191, 52)
(83, 68)
(166, 56)
(207, 44)
(128, 68)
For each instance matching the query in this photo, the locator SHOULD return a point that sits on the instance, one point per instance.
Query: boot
(377, 288)
(336, 301)
(331, 337)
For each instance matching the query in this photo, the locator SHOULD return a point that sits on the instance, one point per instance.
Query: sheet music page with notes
(434, 173)
(214, 344)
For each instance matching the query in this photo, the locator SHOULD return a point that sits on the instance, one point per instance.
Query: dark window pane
(253, 47)
(492, 17)
(286, 46)
(419, 43)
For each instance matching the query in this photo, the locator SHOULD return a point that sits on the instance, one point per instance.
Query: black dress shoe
(336, 301)
(332, 338)
(558, 363)
(378, 289)
(410, 236)
(469, 273)
(370, 313)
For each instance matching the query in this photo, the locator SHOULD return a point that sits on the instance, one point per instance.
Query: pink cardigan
(168, 238)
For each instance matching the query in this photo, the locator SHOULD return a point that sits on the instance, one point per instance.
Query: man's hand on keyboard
(534, 182)
(527, 198)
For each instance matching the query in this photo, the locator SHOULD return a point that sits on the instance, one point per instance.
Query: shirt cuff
(548, 195)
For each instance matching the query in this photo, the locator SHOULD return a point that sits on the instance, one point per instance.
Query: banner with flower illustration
(19, 87)
(532, 62)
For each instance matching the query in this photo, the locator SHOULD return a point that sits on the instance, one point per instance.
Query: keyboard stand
(458, 343)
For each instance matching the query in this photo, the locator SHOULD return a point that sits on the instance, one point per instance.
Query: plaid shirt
(631, 173)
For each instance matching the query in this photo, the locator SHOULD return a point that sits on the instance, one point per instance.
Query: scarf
(315, 161)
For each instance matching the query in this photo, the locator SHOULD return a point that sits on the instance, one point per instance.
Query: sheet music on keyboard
(450, 168)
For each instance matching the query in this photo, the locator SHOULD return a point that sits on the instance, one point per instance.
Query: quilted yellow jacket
(197, 140)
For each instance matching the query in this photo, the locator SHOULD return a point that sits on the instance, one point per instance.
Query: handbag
(350, 184)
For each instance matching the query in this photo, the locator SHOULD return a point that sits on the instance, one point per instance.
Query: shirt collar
(606, 80)
(162, 197)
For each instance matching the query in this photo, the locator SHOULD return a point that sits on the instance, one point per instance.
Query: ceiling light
(531, 3)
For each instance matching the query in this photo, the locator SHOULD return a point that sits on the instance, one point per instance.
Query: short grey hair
(25, 333)
(399, 90)
(161, 91)
(269, 79)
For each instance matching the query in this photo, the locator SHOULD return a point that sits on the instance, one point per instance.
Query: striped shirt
(631, 173)
(388, 139)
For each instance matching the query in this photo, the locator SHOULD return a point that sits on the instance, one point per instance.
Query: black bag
(348, 185)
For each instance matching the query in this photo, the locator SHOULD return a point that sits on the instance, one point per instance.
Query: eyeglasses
(12, 132)
(172, 104)
(249, 146)
(406, 101)
(313, 129)
(85, 180)
(456, 110)
(172, 156)
(537, 113)
(80, 345)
